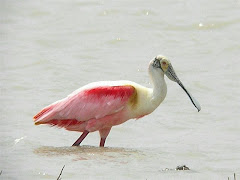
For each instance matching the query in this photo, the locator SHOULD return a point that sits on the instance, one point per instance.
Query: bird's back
(94, 100)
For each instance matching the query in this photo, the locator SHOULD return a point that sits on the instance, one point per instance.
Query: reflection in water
(87, 152)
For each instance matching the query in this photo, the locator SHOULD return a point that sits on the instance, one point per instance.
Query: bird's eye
(164, 63)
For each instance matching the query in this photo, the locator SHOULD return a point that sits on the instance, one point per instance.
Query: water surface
(50, 48)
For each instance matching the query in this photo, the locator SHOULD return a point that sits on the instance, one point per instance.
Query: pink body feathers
(90, 109)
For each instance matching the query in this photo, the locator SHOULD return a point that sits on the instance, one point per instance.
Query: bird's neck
(159, 90)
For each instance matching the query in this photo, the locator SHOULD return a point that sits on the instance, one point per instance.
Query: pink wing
(90, 103)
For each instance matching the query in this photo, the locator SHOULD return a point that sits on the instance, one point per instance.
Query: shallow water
(50, 48)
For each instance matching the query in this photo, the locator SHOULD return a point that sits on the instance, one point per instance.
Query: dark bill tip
(194, 101)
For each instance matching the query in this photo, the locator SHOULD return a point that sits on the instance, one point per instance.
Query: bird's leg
(102, 142)
(103, 134)
(81, 138)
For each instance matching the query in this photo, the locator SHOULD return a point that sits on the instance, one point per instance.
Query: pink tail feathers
(48, 114)
(44, 115)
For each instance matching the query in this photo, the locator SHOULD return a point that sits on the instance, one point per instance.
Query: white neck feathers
(159, 85)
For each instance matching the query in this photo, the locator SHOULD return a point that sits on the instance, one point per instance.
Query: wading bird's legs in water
(103, 134)
(102, 142)
(81, 138)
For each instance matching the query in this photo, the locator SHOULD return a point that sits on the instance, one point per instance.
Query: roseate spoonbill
(100, 105)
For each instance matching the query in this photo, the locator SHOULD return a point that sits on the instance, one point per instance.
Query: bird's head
(162, 63)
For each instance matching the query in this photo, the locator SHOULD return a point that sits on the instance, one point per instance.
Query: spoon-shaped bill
(194, 101)
(172, 76)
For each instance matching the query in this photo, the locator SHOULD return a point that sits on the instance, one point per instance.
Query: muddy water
(50, 48)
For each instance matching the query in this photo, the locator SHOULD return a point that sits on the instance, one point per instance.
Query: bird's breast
(140, 104)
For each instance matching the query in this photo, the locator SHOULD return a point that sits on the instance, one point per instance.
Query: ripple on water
(87, 152)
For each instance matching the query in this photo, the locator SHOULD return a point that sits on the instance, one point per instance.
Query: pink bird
(101, 105)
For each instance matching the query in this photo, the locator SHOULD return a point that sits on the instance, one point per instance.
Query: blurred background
(49, 48)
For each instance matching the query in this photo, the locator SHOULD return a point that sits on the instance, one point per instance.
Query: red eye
(164, 63)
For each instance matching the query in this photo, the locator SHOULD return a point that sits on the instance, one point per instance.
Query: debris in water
(182, 168)
(178, 168)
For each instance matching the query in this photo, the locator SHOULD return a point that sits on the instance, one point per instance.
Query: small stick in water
(60, 173)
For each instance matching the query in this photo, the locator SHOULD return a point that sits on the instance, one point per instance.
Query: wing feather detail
(86, 104)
